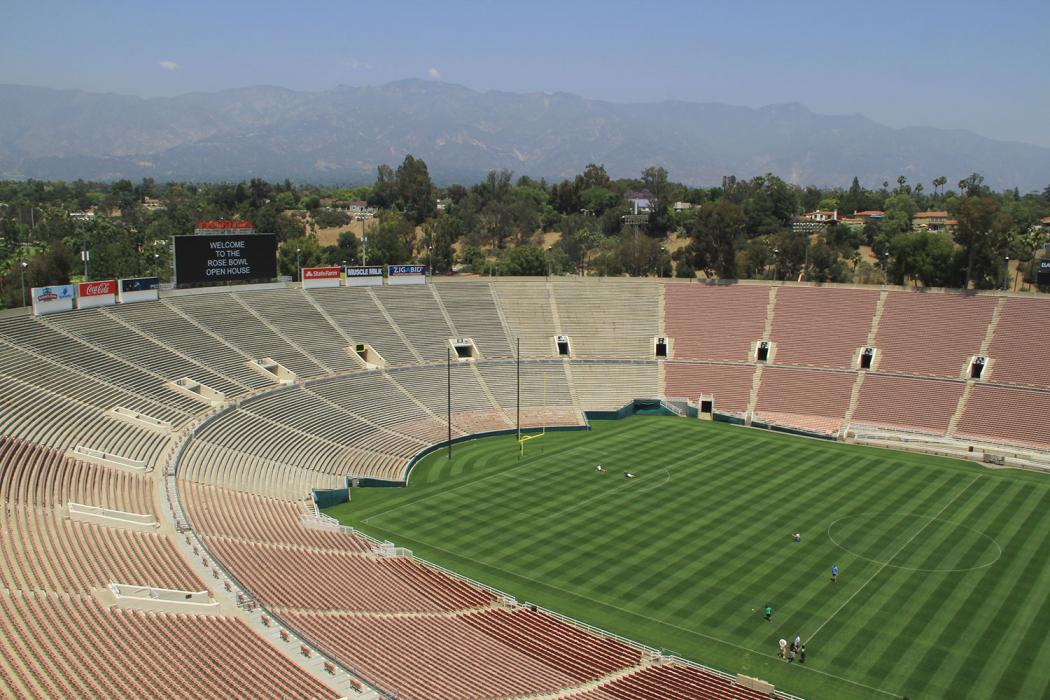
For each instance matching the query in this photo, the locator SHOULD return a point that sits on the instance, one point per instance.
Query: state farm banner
(92, 294)
(313, 277)
(406, 274)
(364, 276)
(48, 300)
(138, 289)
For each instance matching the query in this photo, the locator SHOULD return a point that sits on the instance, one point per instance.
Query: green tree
(391, 241)
(923, 256)
(525, 260)
(415, 191)
(976, 215)
(714, 230)
(348, 248)
(296, 253)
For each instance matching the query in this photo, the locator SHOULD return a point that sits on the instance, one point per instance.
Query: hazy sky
(983, 66)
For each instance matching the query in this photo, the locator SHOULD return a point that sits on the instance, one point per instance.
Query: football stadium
(509, 488)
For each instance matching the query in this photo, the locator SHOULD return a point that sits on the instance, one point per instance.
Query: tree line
(506, 225)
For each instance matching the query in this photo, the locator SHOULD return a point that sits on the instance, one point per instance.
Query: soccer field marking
(998, 547)
(643, 616)
(503, 473)
(900, 549)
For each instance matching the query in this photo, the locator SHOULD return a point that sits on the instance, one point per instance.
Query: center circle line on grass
(930, 519)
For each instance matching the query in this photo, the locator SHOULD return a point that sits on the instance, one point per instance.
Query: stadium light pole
(1006, 273)
(364, 251)
(298, 269)
(156, 265)
(549, 249)
(430, 260)
(22, 273)
(776, 260)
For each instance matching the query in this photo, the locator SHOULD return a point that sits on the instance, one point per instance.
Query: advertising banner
(221, 259)
(138, 289)
(406, 274)
(364, 276)
(314, 277)
(1042, 277)
(48, 300)
(92, 294)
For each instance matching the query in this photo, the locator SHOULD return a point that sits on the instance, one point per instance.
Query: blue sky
(981, 66)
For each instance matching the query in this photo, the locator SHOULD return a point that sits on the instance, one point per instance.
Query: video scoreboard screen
(220, 259)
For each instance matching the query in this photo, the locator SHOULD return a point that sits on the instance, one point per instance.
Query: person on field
(798, 641)
(802, 654)
(797, 537)
(783, 648)
(769, 613)
(628, 475)
(834, 572)
(600, 468)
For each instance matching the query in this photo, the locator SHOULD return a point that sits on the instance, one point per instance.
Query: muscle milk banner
(92, 294)
(364, 276)
(320, 277)
(406, 274)
(139, 289)
(48, 300)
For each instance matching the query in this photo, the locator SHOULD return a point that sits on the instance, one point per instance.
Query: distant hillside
(343, 134)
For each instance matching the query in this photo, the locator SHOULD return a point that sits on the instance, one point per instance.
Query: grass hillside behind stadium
(944, 583)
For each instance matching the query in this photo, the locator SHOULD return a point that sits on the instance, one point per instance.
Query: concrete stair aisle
(338, 328)
(961, 408)
(489, 395)
(393, 324)
(767, 332)
(854, 398)
(876, 318)
(752, 401)
(282, 335)
(148, 336)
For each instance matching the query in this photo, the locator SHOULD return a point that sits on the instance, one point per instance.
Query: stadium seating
(1019, 350)
(473, 310)
(931, 334)
(626, 325)
(730, 385)
(709, 322)
(821, 327)
(245, 472)
(801, 398)
(1007, 414)
(907, 403)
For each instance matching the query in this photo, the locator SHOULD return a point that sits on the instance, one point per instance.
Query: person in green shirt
(769, 613)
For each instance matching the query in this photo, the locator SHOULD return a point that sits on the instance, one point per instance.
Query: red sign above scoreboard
(220, 224)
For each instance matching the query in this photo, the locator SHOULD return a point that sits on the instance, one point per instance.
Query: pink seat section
(714, 322)
(821, 327)
(931, 334)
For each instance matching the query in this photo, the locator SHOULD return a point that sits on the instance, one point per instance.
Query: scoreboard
(221, 259)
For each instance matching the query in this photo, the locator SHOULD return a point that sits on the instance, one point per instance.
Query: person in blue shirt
(834, 572)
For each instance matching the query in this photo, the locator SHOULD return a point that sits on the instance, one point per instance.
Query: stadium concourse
(157, 461)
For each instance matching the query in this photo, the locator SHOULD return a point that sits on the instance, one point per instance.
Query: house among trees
(931, 221)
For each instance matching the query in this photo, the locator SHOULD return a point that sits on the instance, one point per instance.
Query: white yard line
(893, 556)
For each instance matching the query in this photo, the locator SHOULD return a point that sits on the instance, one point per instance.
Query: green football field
(944, 566)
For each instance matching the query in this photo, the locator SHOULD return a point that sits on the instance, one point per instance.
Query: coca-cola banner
(138, 289)
(320, 277)
(91, 294)
(47, 300)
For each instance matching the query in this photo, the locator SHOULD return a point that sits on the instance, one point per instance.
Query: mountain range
(341, 135)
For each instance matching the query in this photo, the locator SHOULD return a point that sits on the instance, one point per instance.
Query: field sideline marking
(893, 556)
(694, 633)
(505, 472)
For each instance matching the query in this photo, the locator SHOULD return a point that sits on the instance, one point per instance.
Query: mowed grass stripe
(943, 625)
(919, 596)
(916, 596)
(686, 562)
(1018, 597)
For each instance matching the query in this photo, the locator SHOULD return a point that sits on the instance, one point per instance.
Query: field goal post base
(522, 439)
